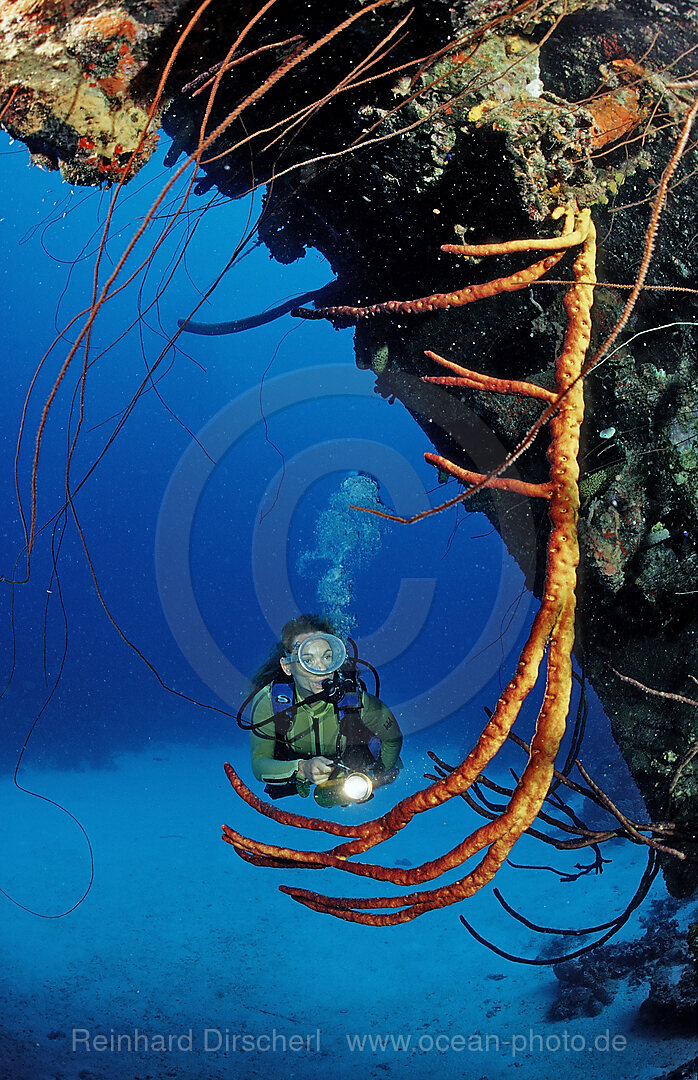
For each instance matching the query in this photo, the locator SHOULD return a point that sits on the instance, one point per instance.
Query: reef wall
(492, 114)
(78, 80)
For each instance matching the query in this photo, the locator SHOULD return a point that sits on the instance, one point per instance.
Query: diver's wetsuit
(315, 731)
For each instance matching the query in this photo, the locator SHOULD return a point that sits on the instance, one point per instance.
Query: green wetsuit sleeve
(378, 718)
(264, 765)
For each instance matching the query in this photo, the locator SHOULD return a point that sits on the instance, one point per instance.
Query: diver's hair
(271, 669)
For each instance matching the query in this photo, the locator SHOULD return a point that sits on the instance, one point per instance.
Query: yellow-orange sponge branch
(552, 629)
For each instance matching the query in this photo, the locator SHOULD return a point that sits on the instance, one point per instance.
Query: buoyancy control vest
(357, 752)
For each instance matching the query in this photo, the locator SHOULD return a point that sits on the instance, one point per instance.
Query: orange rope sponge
(553, 626)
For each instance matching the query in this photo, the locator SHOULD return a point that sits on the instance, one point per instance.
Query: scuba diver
(314, 723)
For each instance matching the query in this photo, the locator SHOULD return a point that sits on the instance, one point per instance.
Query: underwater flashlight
(344, 788)
(358, 786)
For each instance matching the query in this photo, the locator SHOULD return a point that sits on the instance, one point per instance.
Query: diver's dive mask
(320, 654)
(345, 786)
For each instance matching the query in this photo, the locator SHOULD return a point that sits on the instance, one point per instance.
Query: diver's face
(318, 655)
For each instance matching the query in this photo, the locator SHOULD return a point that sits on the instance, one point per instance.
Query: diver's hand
(381, 777)
(315, 769)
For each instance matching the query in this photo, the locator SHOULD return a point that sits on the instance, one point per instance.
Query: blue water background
(280, 414)
(52, 234)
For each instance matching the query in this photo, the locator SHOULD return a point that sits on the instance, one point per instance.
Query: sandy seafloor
(179, 936)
